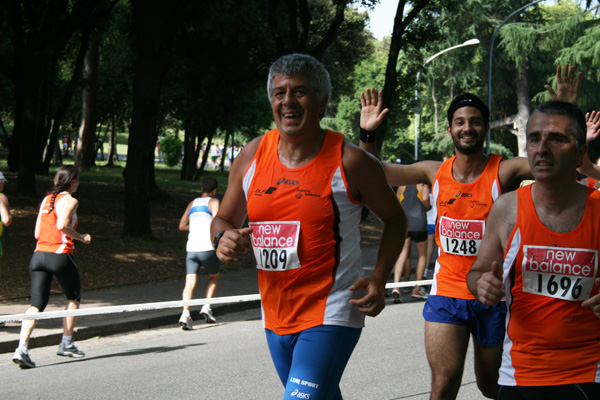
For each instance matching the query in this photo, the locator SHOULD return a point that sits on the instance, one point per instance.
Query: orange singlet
(550, 339)
(462, 210)
(306, 238)
(50, 239)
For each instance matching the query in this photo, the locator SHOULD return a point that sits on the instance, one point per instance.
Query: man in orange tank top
(540, 251)
(463, 190)
(302, 188)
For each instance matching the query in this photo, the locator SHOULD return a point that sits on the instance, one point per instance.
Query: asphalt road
(228, 360)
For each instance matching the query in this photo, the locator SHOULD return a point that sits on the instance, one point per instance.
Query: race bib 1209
(275, 245)
(559, 272)
(461, 237)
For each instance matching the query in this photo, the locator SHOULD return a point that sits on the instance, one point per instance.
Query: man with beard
(464, 189)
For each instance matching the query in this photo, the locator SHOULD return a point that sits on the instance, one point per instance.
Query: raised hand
(371, 114)
(592, 121)
(565, 90)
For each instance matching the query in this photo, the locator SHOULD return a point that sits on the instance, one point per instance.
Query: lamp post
(487, 144)
(417, 106)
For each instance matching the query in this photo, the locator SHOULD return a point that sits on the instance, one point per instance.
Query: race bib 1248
(461, 237)
(275, 245)
(559, 272)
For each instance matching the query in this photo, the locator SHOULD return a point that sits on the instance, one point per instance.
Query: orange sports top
(306, 238)
(550, 339)
(50, 239)
(462, 213)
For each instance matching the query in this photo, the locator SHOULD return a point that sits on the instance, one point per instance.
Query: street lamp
(487, 144)
(417, 106)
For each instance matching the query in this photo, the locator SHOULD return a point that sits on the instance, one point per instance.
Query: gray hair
(301, 64)
(555, 107)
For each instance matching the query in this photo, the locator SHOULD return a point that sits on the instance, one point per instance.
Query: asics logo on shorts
(300, 395)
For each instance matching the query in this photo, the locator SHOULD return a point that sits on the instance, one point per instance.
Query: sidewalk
(49, 332)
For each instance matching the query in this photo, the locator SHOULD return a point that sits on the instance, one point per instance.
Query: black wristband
(217, 239)
(367, 136)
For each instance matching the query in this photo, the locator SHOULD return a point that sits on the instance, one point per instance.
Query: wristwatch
(218, 237)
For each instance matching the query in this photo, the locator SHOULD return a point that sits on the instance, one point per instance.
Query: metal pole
(415, 108)
(416, 105)
(487, 145)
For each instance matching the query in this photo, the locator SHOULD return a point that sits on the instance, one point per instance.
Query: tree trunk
(524, 107)
(21, 158)
(401, 22)
(5, 138)
(205, 155)
(86, 149)
(224, 151)
(190, 143)
(44, 119)
(112, 143)
(435, 108)
(151, 19)
(61, 111)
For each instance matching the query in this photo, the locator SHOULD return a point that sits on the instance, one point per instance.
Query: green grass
(167, 178)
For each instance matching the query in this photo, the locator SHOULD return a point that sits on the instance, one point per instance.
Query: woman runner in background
(53, 256)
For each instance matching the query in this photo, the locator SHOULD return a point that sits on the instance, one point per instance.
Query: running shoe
(22, 359)
(69, 351)
(420, 293)
(207, 314)
(396, 296)
(185, 323)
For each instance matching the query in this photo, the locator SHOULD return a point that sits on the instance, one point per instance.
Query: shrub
(170, 147)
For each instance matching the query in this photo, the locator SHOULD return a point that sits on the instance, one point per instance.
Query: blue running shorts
(486, 323)
(310, 363)
(430, 229)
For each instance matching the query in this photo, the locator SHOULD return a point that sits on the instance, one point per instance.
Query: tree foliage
(34, 37)
(201, 67)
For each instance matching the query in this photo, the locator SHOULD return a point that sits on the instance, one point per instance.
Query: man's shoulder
(593, 196)
(507, 198)
(249, 150)
(504, 212)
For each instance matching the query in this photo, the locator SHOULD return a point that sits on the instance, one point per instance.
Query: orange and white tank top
(306, 238)
(50, 239)
(550, 339)
(462, 210)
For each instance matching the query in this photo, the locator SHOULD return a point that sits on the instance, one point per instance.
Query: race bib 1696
(559, 272)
